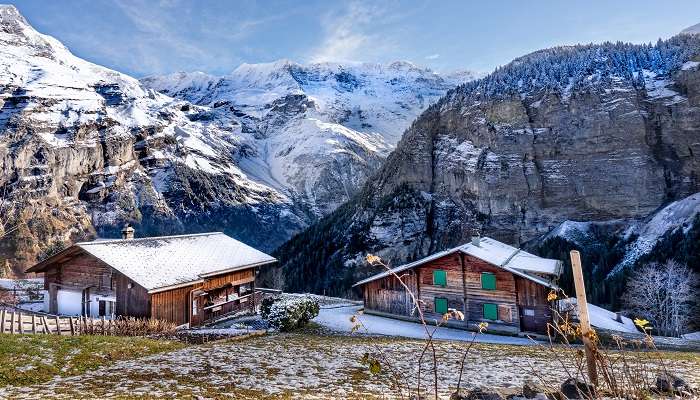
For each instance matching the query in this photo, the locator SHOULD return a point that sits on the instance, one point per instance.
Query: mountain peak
(10, 17)
(692, 30)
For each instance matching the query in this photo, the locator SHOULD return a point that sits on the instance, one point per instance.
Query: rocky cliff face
(259, 154)
(320, 129)
(84, 149)
(584, 133)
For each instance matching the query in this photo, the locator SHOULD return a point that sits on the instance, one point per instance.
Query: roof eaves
(404, 267)
(232, 269)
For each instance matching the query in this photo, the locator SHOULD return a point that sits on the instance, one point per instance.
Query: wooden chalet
(187, 279)
(487, 280)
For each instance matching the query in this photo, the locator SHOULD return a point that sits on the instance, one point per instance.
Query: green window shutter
(488, 281)
(440, 305)
(490, 311)
(439, 277)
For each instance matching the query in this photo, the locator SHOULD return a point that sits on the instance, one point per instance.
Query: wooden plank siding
(172, 305)
(534, 297)
(388, 295)
(231, 278)
(504, 296)
(131, 301)
(453, 291)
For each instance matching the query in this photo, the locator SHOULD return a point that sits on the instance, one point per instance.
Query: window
(106, 308)
(490, 311)
(441, 305)
(245, 289)
(439, 277)
(194, 307)
(528, 312)
(488, 281)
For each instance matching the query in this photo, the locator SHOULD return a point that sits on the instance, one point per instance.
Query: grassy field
(31, 359)
(311, 363)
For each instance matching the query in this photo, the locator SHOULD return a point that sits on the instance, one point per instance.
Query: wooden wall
(172, 305)
(233, 278)
(81, 271)
(453, 292)
(533, 296)
(388, 295)
(131, 301)
(504, 295)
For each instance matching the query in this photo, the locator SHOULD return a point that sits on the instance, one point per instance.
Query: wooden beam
(584, 321)
(464, 288)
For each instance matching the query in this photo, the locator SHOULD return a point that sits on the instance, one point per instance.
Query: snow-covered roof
(511, 259)
(600, 317)
(158, 263)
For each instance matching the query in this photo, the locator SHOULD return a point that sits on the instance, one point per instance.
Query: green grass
(31, 359)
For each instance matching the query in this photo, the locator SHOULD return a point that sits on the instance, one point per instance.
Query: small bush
(289, 314)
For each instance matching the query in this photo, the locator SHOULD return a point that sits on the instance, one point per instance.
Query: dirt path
(307, 366)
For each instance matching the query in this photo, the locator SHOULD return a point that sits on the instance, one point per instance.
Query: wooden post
(12, 322)
(58, 325)
(582, 306)
(72, 327)
(33, 323)
(2, 321)
(21, 323)
(45, 324)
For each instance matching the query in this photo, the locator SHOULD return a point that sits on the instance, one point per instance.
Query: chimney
(476, 238)
(127, 232)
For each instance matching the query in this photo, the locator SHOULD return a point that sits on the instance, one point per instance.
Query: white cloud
(432, 57)
(347, 36)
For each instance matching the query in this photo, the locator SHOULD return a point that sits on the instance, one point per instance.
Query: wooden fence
(17, 321)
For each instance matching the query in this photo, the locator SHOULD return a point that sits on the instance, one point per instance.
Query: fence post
(72, 327)
(2, 321)
(582, 306)
(12, 322)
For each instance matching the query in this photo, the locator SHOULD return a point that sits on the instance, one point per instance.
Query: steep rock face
(320, 129)
(586, 133)
(84, 149)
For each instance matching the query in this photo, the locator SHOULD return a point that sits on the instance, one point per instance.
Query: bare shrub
(127, 326)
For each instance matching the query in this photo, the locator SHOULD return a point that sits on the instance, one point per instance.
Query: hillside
(588, 133)
(263, 153)
(320, 129)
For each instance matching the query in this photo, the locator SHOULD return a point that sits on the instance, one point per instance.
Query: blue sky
(145, 37)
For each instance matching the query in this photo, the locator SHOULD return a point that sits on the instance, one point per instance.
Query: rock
(573, 388)
(476, 394)
(669, 383)
(531, 390)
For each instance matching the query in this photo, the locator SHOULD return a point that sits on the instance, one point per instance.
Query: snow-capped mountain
(589, 133)
(321, 129)
(261, 154)
(84, 147)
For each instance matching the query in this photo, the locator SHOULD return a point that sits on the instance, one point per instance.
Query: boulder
(669, 383)
(476, 394)
(573, 388)
(532, 390)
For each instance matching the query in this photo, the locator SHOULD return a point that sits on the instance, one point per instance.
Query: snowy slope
(91, 148)
(320, 129)
(691, 30)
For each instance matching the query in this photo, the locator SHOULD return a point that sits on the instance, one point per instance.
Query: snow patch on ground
(338, 319)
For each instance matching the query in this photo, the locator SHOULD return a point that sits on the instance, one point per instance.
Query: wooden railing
(14, 320)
